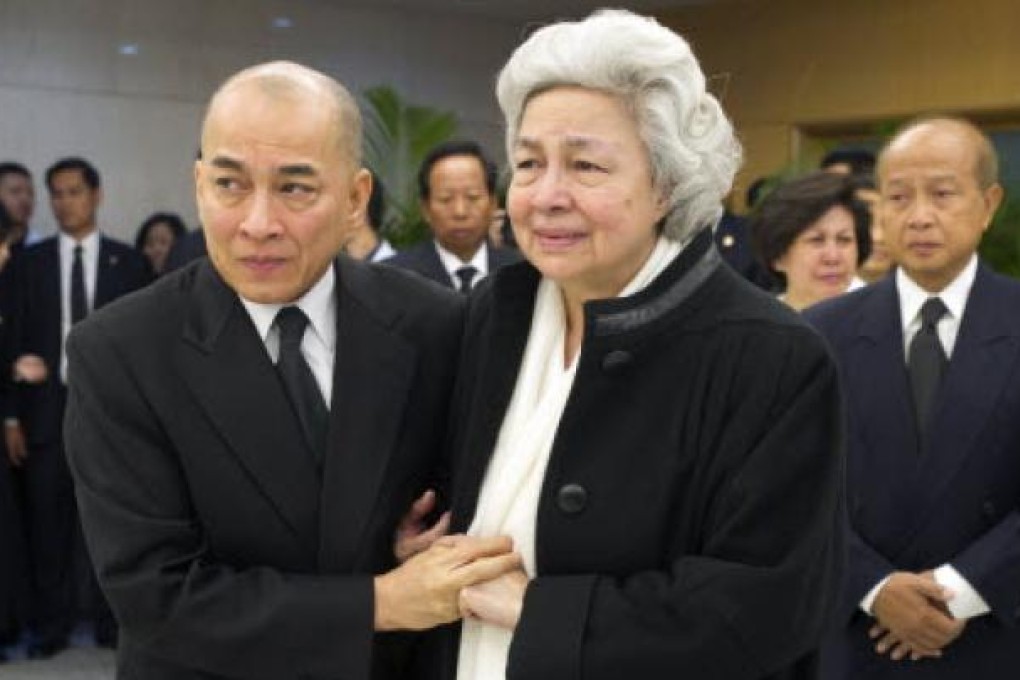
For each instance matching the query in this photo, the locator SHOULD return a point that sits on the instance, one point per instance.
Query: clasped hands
(912, 619)
(443, 578)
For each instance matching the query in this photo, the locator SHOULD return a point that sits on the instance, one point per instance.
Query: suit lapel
(372, 379)
(986, 348)
(432, 263)
(881, 402)
(106, 274)
(225, 364)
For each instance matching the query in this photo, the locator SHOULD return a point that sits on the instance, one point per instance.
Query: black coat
(957, 501)
(223, 550)
(690, 523)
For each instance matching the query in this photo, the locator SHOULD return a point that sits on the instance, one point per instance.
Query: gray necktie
(927, 362)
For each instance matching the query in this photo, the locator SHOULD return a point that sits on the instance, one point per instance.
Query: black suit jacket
(37, 323)
(958, 500)
(223, 550)
(423, 259)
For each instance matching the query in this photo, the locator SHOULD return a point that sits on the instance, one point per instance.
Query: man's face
(74, 203)
(18, 197)
(459, 207)
(933, 210)
(276, 194)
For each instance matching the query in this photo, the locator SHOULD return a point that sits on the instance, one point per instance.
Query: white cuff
(869, 599)
(966, 602)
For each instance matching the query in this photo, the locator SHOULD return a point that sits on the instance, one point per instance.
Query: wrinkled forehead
(939, 150)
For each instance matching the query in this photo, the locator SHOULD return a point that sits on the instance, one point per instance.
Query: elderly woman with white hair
(660, 440)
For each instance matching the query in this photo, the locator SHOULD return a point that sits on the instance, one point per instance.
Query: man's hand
(30, 369)
(912, 619)
(14, 438)
(412, 536)
(424, 591)
(498, 601)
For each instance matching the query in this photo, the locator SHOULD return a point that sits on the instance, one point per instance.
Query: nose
(920, 215)
(831, 252)
(550, 193)
(260, 220)
(460, 206)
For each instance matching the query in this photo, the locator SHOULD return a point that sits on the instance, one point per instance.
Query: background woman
(659, 438)
(813, 233)
(157, 236)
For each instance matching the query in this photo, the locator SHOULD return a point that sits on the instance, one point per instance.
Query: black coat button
(988, 508)
(571, 498)
(615, 360)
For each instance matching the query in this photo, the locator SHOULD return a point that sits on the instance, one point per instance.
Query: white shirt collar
(452, 263)
(954, 296)
(89, 244)
(318, 304)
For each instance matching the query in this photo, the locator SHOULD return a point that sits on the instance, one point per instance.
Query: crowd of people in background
(879, 256)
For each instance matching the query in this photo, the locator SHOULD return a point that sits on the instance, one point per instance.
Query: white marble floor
(75, 663)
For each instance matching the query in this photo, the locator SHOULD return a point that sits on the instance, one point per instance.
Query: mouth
(833, 279)
(558, 239)
(262, 265)
(924, 248)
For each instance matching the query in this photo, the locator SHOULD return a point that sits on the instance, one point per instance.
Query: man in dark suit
(930, 358)
(457, 187)
(60, 280)
(246, 434)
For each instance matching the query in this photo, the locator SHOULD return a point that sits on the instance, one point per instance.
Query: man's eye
(526, 164)
(297, 189)
(227, 183)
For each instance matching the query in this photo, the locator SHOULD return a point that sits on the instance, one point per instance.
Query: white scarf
(508, 500)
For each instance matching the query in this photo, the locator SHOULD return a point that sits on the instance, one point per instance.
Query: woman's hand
(498, 602)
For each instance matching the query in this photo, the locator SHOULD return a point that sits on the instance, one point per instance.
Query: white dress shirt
(451, 263)
(383, 251)
(318, 346)
(966, 602)
(90, 264)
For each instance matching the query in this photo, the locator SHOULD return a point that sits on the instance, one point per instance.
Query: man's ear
(361, 189)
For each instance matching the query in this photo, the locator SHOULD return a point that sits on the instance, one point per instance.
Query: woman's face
(581, 200)
(822, 260)
(158, 243)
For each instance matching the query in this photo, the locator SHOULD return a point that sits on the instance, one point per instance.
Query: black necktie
(466, 274)
(79, 303)
(309, 406)
(927, 361)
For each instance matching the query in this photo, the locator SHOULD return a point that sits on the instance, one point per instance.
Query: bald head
(287, 82)
(948, 129)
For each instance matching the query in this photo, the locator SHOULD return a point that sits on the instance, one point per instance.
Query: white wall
(65, 89)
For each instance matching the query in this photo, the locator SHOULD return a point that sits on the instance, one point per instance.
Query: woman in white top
(658, 437)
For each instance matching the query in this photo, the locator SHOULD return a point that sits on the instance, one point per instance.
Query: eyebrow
(293, 170)
(571, 142)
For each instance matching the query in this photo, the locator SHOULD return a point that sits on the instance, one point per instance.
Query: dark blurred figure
(156, 238)
(849, 161)
(189, 247)
(812, 233)
(457, 187)
(366, 242)
(60, 281)
(11, 544)
(17, 195)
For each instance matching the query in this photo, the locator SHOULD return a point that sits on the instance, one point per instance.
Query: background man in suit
(246, 434)
(931, 368)
(457, 187)
(60, 280)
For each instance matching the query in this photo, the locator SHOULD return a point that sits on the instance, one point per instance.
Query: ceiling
(527, 10)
